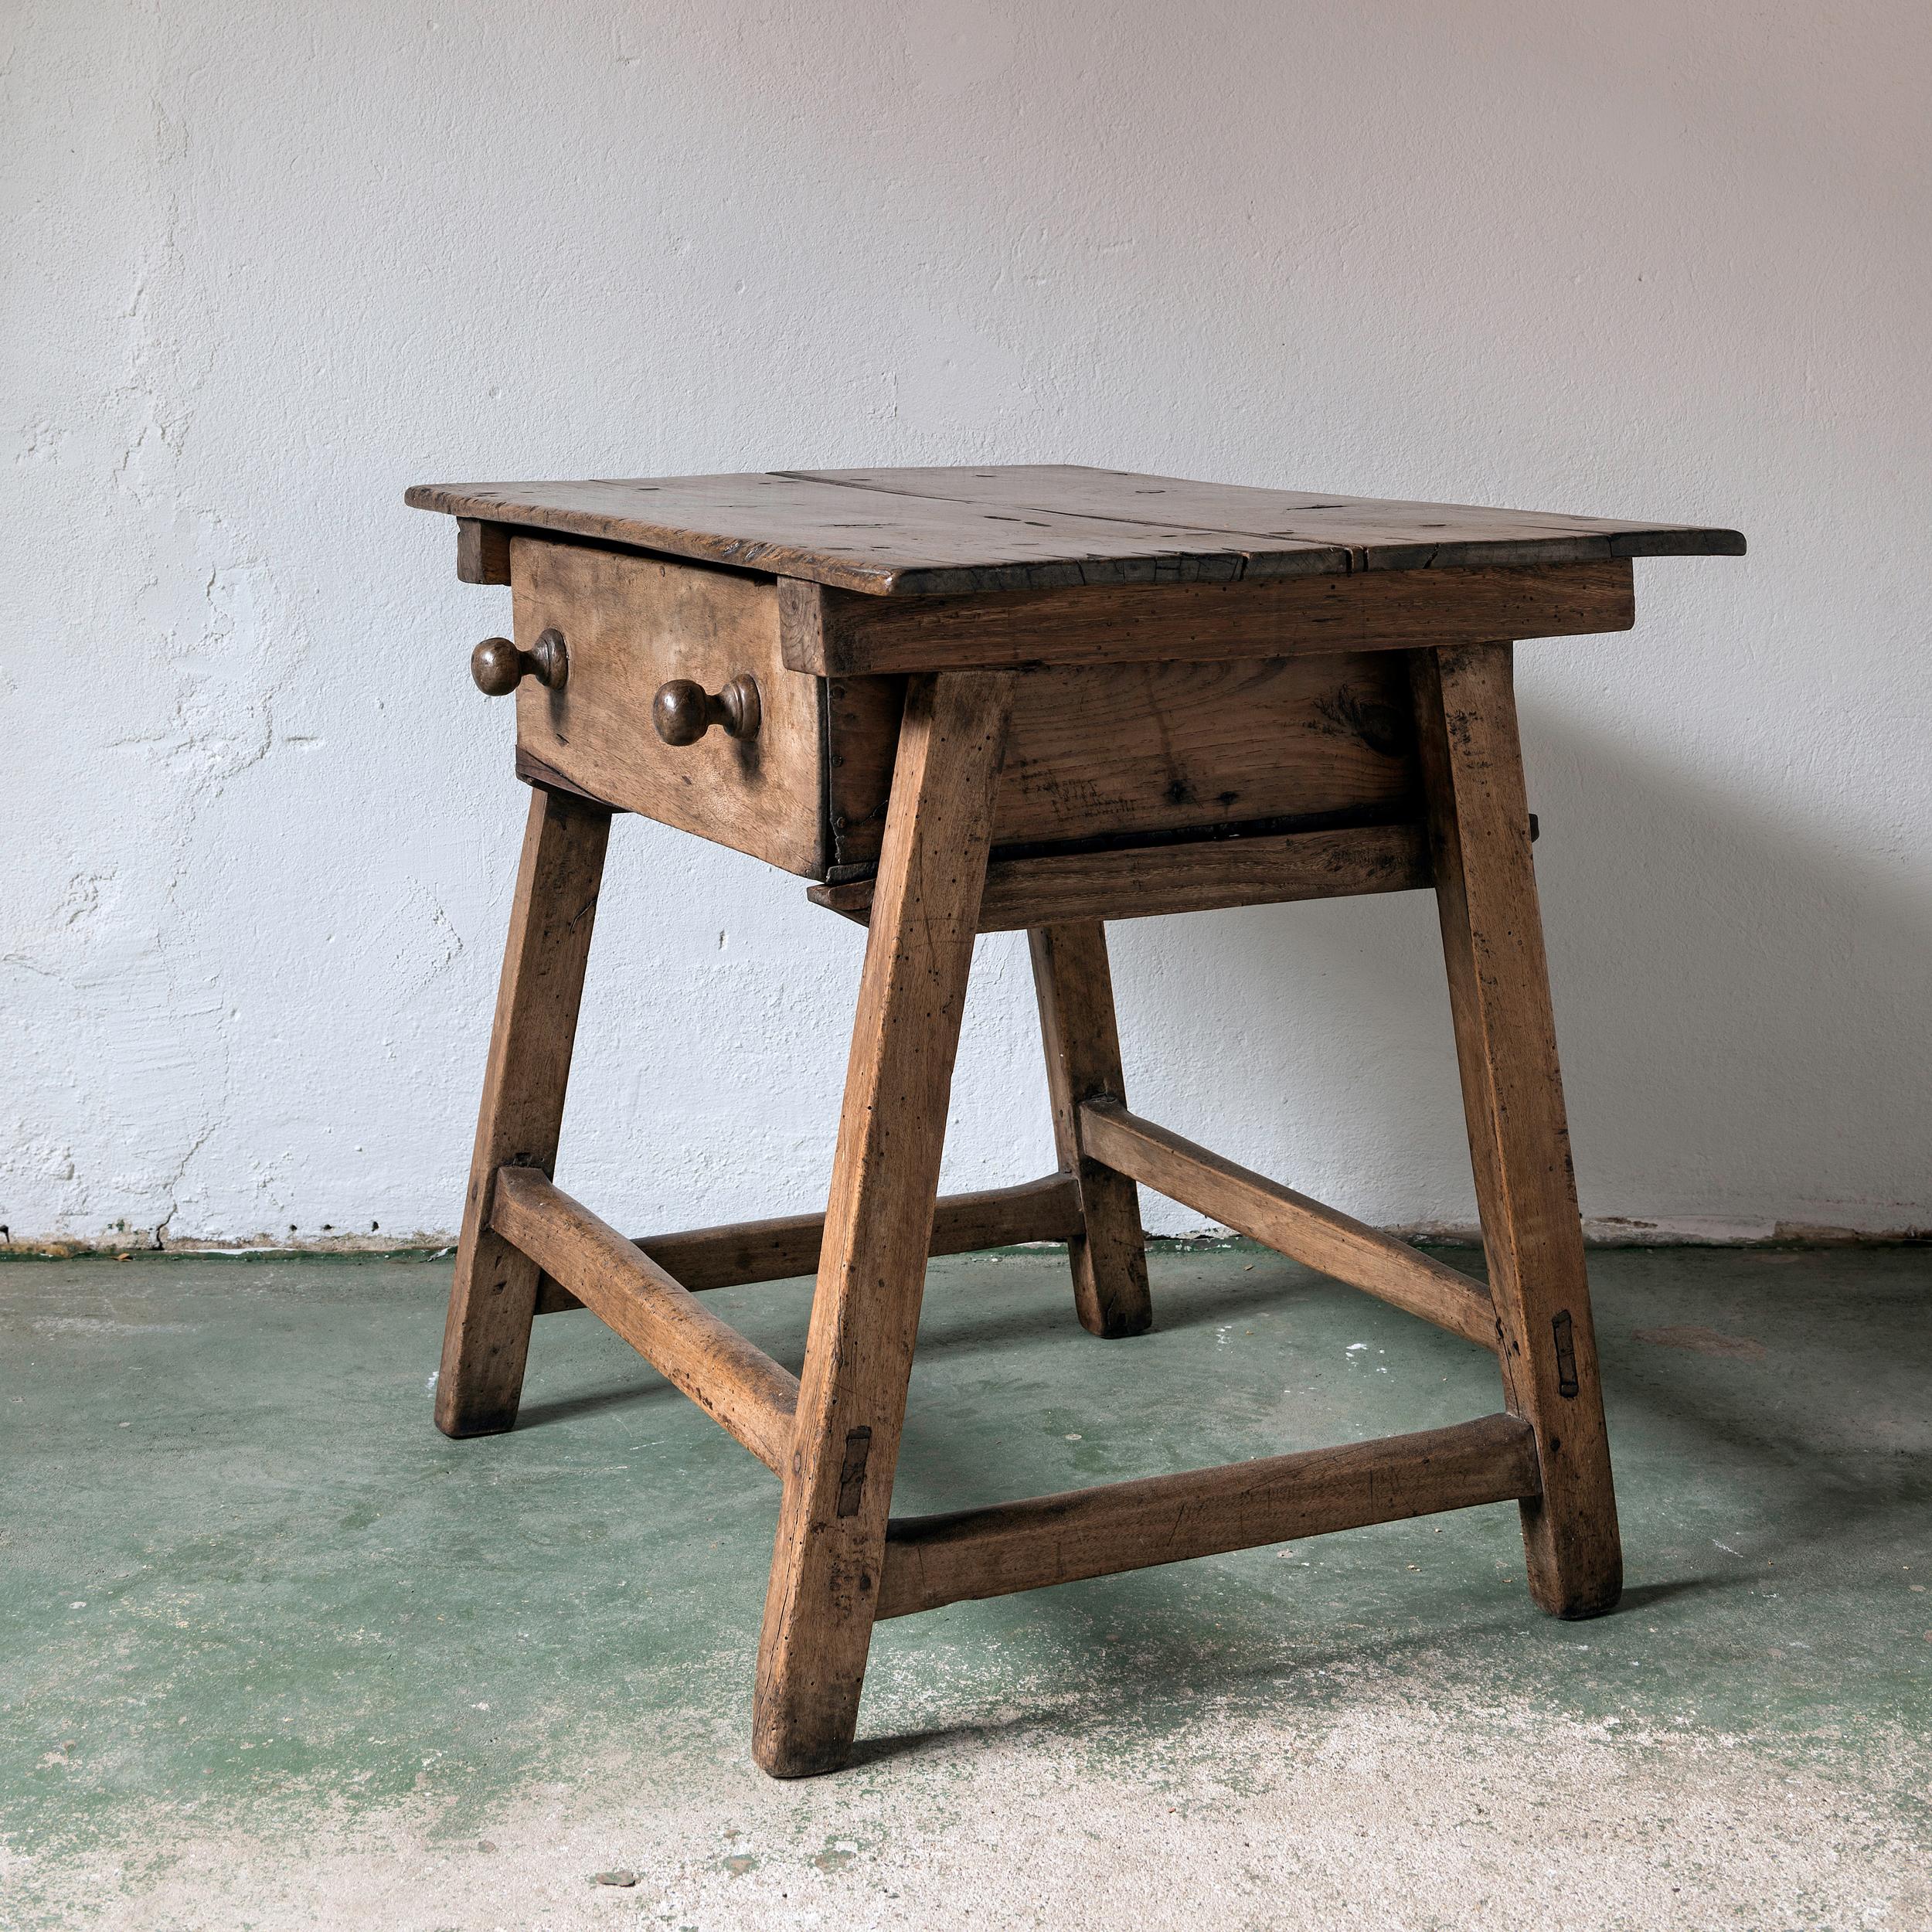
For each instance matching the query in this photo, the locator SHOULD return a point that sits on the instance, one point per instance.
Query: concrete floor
(274, 1654)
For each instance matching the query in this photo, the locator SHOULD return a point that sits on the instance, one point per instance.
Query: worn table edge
(484, 503)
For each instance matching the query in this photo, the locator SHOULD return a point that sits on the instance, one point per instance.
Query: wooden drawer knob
(683, 712)
(498, 667)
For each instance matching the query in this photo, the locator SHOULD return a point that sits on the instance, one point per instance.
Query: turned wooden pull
(498, 667)
(683, 712)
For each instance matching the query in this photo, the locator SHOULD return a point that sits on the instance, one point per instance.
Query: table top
(1042, 526)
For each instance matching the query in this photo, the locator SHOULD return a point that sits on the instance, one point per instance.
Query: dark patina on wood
(1042, 697)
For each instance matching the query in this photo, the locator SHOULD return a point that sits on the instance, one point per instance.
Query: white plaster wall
(264, 265)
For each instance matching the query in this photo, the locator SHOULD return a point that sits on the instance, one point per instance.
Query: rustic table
(965, 700)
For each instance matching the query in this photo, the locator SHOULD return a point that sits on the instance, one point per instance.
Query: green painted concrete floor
(274, 1654)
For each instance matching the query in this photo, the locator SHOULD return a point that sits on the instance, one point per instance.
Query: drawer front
(631, 625)
(1159, 748)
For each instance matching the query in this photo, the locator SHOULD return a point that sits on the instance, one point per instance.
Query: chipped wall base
(1611, 1231)
(1693, 1231)
(125, 1243)
(1617, 1231)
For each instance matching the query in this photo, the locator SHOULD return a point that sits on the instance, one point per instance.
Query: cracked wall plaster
(262, 271)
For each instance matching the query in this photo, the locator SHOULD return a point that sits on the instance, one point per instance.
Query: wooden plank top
(1046, 526)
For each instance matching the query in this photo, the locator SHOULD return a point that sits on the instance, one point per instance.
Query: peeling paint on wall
(260, 277)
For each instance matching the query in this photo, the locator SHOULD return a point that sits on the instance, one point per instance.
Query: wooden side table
(968, 700)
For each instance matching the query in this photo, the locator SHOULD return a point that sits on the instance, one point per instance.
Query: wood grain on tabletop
(898, 532)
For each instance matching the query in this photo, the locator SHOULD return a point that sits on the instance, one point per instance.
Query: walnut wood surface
(1378, 534)
(1147, 745)
(1082, 1041)
(631, 625)
(1202, 875)
(831, 1528)
(931, 1560)
(861, 719)
(736, 1384)
(741, 1253)
(1318, 1236)
(1159, 747)
(863, 540)
(482, 552)
(1116, 750)
(487, 1338)
(953, 661)
(1513, 1100)
(1106, 750)
(938, 531)
(835, 632)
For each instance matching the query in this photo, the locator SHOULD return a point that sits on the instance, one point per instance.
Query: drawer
(630, 624)
(1109, 751)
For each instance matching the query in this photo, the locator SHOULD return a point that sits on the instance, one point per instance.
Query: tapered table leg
(828, 1556)
(487, 1338)
(1083, 1043)
(1512, 1097)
